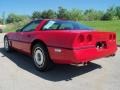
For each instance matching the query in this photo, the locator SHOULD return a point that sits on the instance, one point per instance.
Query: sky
(28, 6)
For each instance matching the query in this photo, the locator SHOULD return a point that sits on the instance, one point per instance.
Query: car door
(14, 39)
(27, 35)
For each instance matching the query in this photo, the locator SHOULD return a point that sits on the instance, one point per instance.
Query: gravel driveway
(17, 72)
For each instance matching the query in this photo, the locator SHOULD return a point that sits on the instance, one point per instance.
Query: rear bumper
(67, 56)
(92, 54)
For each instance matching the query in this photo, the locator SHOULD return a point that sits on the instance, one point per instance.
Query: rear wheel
(41, 58)
(6, 44)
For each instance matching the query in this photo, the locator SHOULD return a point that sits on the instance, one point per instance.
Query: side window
(51, 25)
(31, 26)
(66, 26)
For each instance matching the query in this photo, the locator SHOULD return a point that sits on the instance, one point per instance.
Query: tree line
(112, 13)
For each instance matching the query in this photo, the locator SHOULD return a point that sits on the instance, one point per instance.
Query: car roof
(51, 19)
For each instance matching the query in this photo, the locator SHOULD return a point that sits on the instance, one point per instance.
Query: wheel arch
(36, 42)
(5, 36)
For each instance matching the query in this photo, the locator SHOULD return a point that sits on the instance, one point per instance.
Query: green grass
(113, 26)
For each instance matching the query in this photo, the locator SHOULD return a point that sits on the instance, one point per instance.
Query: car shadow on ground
(58, 73)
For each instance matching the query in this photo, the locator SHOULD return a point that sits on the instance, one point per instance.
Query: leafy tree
(92, 14)
(49, 14)
(36, 15)
(63, 13)
(44, 15)
(117, 9)
(76, 14)
(106, 16)
(109, 15)
(98, 15)
(89, 14)
(12, 18)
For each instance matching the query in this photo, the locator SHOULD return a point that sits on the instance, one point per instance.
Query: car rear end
(93, 45)
(75, 47)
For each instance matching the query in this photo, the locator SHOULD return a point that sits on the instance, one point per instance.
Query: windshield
(64, 25)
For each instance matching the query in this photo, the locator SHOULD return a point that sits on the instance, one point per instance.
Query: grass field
(113, 26)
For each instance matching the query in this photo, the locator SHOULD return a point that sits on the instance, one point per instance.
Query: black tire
(7, 44)
(41, 58)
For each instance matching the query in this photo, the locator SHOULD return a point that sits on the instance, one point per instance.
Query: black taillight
(89, 38)
(114, 36)
(110, 37)
(81, 38)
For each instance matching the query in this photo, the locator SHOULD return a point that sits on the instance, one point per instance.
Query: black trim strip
(19, 41)
(85, 47)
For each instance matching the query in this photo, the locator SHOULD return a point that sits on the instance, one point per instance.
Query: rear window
(64, 25)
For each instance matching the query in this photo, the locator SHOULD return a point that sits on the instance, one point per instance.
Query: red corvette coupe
(61, 42)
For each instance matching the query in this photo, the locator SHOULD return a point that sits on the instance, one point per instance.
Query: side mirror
(18, 30)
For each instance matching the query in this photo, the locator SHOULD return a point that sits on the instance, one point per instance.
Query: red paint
(76, 46)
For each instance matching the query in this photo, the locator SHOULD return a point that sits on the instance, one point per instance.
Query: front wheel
(7, 45)
(41, 58)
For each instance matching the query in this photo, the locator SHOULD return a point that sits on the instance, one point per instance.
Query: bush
(13, 18)
(12, 27)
